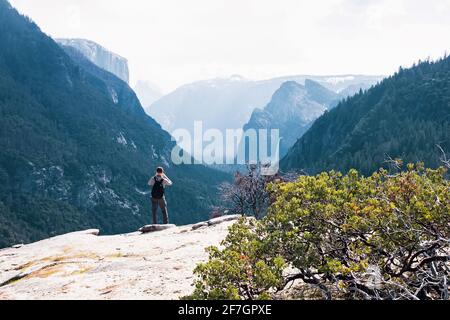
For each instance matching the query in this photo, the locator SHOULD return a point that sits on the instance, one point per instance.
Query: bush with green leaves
(337, 236)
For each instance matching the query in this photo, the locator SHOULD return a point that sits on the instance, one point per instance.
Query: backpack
(158, 188)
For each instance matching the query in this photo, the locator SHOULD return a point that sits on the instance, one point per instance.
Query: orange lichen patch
(3, 296)
(55, 268)
(67, 249)
(81, 255)
(45, 271)
(58, 259)
(122, 255)
(80, 271)
(26, 265)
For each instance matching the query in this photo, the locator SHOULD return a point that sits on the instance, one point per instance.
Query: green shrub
(340, 237)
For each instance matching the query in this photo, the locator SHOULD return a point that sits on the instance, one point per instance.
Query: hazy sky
(172, 42)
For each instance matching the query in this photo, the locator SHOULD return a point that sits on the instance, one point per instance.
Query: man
(158, 184)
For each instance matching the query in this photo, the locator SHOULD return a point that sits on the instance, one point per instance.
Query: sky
(174, 42)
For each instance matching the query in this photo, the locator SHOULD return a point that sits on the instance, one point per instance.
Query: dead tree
(248, 194)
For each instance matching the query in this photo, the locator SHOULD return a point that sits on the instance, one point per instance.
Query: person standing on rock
(158, 183)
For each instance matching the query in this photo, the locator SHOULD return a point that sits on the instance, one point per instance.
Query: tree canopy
(335, 236)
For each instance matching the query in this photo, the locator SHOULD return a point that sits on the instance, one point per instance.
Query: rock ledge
(85, 266)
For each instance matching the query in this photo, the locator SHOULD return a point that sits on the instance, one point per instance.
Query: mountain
(115, 88)
(100, 56)
(219, 103)
(317, 92)
(229, 103)
(292, 110)
(405, 116)
(147, 93)
(76, 148)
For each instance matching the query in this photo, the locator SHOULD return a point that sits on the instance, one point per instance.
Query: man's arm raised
(167, 181)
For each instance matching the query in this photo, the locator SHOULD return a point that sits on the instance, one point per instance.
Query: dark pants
(162, 203)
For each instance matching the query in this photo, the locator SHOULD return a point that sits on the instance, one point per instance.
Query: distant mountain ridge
(292, 110)
(100, 56)
(228, 103)
(405, 116)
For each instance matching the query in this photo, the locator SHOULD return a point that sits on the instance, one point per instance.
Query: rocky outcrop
(156, 227)
(81, 265)
(216, 221)
(100, 56)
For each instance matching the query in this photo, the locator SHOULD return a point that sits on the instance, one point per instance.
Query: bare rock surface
(81, 265)
(200, 225)
(223, 219)
(216, 221)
